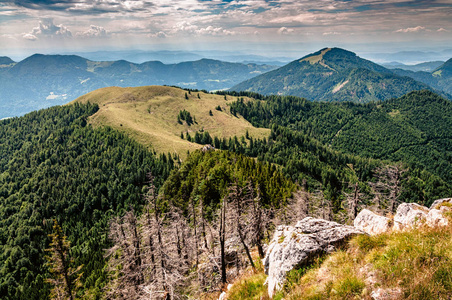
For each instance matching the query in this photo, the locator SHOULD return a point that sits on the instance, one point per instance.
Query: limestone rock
(386, 294)
(371, 223)
(410, 215)
(293, 247)
(437, 203)
(436, 217)
(222, 296)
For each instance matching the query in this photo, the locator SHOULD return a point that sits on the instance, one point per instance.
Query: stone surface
(295, 246)
(436, 203)
(222, 296)
(410, 215)
(386, 294)
(436, 217)
(371, 223)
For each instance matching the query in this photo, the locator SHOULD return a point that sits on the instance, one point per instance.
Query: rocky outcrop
(371, 223)
(437, 204)
(295, 246)
(409, 215)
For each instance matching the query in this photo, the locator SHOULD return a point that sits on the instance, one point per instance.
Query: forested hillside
(332, 74)
(415, 128)
(56, 167)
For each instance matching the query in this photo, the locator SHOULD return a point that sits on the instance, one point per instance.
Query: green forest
(54, 166)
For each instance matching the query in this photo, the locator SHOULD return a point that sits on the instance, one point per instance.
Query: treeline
(55, 166)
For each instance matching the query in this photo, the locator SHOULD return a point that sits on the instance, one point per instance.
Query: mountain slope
(425, 66)
(332, 74)
(55, 79)
(440, 78)
(54, 166)
(415, 128)
(150, 115)
(4, 60)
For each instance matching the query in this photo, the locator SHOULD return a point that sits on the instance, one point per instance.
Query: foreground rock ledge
(408, 216)
(293, 247)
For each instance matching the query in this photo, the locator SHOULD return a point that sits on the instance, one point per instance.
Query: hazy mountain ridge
(4, 60)
(428, 66)
(440, 78)
(44, 80)
(332, 74)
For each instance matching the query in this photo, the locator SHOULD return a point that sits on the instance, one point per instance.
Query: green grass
(149, 115)
(418, 263)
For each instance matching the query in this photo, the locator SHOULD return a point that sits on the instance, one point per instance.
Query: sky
(266, 27)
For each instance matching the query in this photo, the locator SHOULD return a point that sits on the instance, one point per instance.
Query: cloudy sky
(271, 27)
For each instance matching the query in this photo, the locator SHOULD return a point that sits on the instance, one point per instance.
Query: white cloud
(188, 28)
(412, 29)
(442, 30)
(159, 34)
(285, 30)
(331, 33)
(93, 31)
(47, 28)
(29, 36)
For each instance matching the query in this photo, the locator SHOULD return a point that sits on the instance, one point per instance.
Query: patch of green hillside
(416, 128)
(150, 116)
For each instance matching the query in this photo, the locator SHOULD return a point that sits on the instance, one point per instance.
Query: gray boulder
(436, 217)
(371, 223)
(410, 215)
(292, 247)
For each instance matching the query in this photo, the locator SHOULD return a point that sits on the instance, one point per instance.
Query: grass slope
(415, 264)
(149, 115)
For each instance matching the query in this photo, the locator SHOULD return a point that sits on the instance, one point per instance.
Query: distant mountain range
(425, 66)
(43, 80)
(440, 78)
(333, 74)
(173, 57)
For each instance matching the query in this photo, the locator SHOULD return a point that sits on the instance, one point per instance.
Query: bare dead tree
(65, 279)
(151, 254)
(222, 237)
(388, 185)
(260, 221)
(240, 198)
(354, 199)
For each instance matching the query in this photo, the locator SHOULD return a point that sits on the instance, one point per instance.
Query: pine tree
(65, 279)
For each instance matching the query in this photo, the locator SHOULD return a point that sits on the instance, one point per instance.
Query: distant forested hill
(332, 74)
(440, 78)
(43, 80)
(415, 128)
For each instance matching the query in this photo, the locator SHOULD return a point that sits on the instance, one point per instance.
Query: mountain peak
(332, 74)
(5, 60)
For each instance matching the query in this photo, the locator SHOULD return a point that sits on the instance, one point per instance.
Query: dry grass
(149, 114)
(316, 58)
(415, 264)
